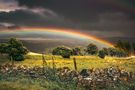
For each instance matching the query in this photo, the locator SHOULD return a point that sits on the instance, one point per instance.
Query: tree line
(91, 49)
(17, 51)
(120, 49)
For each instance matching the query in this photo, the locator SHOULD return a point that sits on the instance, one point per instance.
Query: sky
(108, 19)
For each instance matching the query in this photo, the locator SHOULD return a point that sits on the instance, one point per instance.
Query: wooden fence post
(12, 61)
(44, 62)
(53, 63)
(75, 65)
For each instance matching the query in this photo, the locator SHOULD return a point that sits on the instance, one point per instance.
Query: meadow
(21, 82)
(87, 62)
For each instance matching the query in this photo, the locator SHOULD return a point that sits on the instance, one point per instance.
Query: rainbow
(69, 32)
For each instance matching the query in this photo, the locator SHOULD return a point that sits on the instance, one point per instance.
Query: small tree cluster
(115, 52)
(101, 54)
(14, 48)
(92, 49)
(76, 51)
(65, 52)
(126, 47)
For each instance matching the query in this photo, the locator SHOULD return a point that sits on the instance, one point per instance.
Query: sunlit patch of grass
(82, 62)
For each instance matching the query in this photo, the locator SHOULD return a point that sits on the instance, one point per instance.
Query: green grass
(26, 83)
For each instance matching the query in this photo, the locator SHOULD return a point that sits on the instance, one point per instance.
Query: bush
(92, 49)
(117, 52)
(3, 48)
(65, 52)
(18, 57)
(76, 51)
(101, 54)
(14, 49)
(105, 51)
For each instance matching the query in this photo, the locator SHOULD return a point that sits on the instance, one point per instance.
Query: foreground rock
(88, 78)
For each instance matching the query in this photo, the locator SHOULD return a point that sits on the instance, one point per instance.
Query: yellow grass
(34, 59)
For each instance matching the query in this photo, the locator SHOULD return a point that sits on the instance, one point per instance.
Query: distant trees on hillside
(126, 47)
(115, 52)
(120, 50)
(101, 54)
(92, 49)
(14, 49)
(65, 52)
(76, 51)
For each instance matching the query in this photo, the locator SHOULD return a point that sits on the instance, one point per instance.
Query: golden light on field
(132, 56)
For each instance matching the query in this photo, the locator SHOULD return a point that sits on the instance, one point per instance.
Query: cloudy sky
(108, 19)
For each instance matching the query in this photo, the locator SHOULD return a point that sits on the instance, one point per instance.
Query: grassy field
(83, 62)
(87, 62)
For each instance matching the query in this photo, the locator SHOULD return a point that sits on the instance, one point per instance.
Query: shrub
(14, 49)
(92, 49)
(105, 51)
(18, 57)
(101, 54)
(65, 52)
(3, 48)
(76, 51)
(117, 52)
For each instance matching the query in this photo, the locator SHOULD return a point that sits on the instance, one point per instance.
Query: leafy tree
(65, 52)
(125, 46)
(121, 53)
(92, 49)
(101, 54)
(16, 50)
(105, 51)
(76, 51)
(112, 51)
(3, 48)
(117, 52)
(120, 45)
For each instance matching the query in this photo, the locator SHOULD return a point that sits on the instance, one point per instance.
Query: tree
(76, 51)
(101, 54)
(105, 51)
(117, 52)
(92, 49)
(121, 53)
(125, 46)
(3, 48)
(121, 45)
(16, 50)
(65, 52)
(111, 51)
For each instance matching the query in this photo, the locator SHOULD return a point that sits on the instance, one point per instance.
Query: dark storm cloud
(97, 15)
(103, 18)
(84, 10)
(34, 17)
